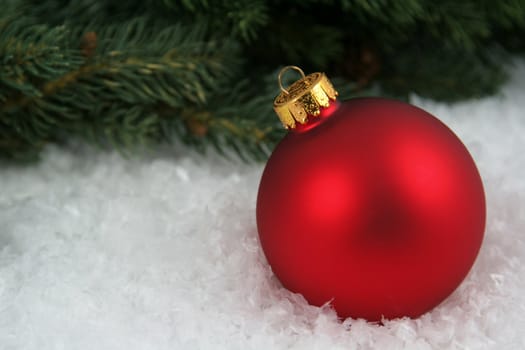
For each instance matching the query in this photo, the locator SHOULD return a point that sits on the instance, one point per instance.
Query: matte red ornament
(375, 206)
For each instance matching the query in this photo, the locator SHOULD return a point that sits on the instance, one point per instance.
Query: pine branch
(136, 65)
(242, 18)
(137, 73)
(31, 54)
(454, 76)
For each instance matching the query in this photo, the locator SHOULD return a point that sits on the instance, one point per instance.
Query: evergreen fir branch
(136, 73)
(247, 17)
(81, 12)
(31, 54)
(250, 130)
(134, 66)
(234, 122)
(293, 42)
(242, 18)
(464, 24)
(455, 75)
(508, 14)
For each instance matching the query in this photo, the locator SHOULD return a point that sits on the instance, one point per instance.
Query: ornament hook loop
(280, 76)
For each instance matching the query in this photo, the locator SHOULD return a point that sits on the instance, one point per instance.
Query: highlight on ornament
(372, 205)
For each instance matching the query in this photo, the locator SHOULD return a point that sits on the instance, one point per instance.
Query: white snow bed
(161, 252)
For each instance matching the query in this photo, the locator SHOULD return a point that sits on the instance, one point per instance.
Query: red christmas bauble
(375, 206)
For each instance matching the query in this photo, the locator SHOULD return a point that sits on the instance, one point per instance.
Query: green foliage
(474, 75)
(133, 74)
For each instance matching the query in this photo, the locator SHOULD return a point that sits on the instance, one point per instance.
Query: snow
(160, 252)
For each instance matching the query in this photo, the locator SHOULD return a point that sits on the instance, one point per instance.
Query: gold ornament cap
(304, 98)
